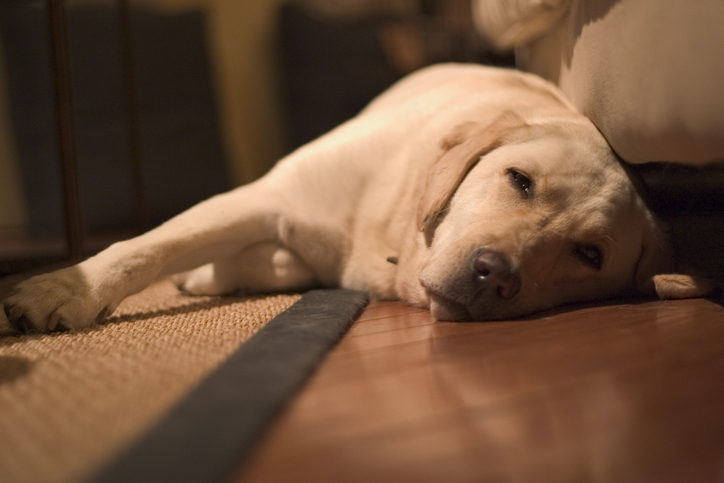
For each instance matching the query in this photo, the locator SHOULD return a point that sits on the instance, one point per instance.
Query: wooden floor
(619, 393)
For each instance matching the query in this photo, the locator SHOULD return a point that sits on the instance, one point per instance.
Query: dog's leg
(264, 267)
(216, 229)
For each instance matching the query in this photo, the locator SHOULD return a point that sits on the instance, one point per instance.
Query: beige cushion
(506, 24)
(649, 73)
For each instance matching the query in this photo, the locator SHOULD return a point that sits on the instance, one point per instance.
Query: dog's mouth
(445, 308)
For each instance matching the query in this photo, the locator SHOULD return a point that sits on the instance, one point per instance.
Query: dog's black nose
(492, 269)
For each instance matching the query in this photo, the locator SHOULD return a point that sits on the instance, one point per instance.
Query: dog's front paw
(54, 301)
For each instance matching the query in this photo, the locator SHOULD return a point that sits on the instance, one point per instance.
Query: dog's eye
(591, 255)
(521, 182)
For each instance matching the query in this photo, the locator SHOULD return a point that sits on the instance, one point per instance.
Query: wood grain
(625, 392)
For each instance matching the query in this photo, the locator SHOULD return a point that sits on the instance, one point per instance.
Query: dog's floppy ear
(460, 151)
(657, 274)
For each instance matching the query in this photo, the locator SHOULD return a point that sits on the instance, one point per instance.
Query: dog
(475, 191)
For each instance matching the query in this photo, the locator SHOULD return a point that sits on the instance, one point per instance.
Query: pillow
(506, 24)
(649, 74)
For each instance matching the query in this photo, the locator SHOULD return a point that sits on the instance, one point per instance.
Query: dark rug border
(210, 432)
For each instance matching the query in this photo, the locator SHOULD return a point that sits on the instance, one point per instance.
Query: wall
(13, 215)
(242, 48)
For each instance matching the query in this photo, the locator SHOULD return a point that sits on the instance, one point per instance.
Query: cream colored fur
(421, 177)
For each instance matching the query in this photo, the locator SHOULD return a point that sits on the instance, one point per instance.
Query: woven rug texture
(71, 401)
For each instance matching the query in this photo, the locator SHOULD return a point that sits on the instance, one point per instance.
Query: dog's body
(395, 202)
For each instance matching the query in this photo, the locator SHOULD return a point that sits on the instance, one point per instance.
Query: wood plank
(625, 392)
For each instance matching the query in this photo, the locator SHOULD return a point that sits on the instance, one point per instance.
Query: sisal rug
(69, 402)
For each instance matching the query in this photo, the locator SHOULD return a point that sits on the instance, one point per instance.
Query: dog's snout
(492, 269)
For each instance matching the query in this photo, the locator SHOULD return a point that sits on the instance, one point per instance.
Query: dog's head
(535, 211)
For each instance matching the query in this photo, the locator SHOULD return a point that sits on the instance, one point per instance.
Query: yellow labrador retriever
(477, 192)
